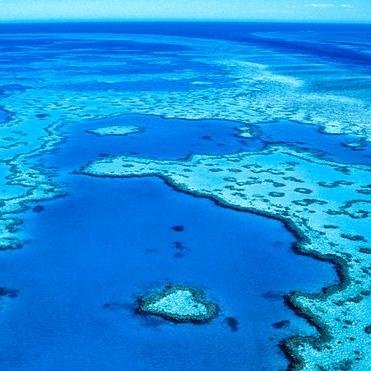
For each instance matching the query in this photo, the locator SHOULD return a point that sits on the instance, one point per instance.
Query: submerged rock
(232, 323)
(38, 209)
(9, 293)
(281, 324)
(177, 228)
(179, 304)
(42, 115)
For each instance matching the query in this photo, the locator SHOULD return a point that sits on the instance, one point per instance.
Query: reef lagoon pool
(91, 252)
(168, 138)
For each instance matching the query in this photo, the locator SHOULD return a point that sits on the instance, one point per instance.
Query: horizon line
(177, 20)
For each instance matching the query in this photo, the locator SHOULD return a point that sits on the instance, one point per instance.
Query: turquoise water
(67, 297)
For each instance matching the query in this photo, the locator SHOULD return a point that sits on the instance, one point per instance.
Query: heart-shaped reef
(178, 304)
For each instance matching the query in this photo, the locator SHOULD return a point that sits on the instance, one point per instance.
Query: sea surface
(89, 254)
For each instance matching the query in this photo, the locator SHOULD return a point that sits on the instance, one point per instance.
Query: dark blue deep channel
(91, 252)
(176, 138)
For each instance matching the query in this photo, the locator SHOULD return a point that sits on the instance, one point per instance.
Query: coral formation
(331, 225)
(179, 304)
(115, 130)
(327, 204)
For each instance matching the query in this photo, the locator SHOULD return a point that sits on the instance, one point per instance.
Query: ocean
(90, 252)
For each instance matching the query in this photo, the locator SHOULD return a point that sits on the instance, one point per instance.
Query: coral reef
(329, 218)
(236, 87)
(115, 130)
(327, 204)
(179, 304)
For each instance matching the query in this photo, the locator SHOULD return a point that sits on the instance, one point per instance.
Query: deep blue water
(175, 139)
(331, 147)
(343, 43)
(158, 138)
(91, 252)
(111, 239)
